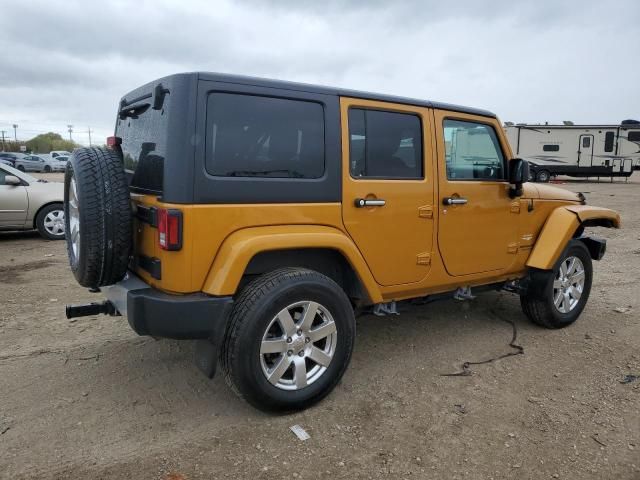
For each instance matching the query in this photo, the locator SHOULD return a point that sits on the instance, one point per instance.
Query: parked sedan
(50, 164)
(11, 157)
(27, 203)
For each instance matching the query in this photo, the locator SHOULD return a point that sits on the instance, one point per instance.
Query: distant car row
(41, 162)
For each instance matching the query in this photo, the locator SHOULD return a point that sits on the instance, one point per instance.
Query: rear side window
(144, 145)
(609, 138)
(551, 148)
(255, 136)
(472, 151)
(385, 144)
(634, 136)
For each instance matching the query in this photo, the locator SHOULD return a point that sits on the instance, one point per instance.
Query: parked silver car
(27, 203)
(51, 164)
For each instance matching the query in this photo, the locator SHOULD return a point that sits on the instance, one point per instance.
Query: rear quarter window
(259, 136)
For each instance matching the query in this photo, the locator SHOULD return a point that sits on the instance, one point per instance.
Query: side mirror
(518, 174)
(12, 180)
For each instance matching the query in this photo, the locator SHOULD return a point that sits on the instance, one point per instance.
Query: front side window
(254, 136)
(384, 144)
(472, 151)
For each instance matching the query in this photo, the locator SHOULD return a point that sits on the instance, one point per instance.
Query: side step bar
(90, 309)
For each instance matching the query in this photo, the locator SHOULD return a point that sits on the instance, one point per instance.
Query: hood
(548, 192)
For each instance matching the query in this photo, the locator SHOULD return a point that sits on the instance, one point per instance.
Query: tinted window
(144, 136)
(634, 136)
(609, 137)
(252, 136)
(472, 151)
(550, 148)
(385, 144)
(586, 142)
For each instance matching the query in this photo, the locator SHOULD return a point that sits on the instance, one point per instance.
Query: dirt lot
(89, 399)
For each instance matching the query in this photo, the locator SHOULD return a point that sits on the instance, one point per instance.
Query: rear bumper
(158, 314)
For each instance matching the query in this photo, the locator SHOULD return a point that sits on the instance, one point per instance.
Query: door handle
(454, 201)
(363, 202)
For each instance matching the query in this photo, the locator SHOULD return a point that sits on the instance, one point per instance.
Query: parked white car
(52, 164)
(57, 153)
(27, 203)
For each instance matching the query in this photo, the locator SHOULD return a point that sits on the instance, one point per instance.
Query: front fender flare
(241, 246)
(561, 226)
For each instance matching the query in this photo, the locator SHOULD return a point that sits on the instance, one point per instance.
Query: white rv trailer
(577, 150)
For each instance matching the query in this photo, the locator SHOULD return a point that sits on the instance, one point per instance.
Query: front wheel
(47, 169)
(289, 340)
(555, 299)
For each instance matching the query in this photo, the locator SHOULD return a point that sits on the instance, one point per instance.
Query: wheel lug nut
(289, 353)
(299, 332)
(301, 353)
(289, 340)
(307, 340)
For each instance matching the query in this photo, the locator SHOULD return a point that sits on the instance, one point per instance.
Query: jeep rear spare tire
(97, 212)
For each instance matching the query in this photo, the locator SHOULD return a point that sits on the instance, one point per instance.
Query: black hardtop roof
(304, 87)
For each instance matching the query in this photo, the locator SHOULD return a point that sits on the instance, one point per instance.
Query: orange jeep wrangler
(259, 216)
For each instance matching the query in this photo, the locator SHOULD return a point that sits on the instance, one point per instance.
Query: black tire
(253, 312)
(104, 216)
(21, 168)
(47, 169)
(543, 176)
(538, 302)
(43, 230)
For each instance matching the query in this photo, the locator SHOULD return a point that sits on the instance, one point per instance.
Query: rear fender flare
(241, 246)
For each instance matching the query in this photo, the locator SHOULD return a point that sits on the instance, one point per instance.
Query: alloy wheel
(298, 345)
(568, 284)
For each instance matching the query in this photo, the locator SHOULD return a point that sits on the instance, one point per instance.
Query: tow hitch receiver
(90, 309)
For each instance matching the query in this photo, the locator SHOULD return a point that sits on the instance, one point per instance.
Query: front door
(387, 192)
(478, 221)
(585, 150)
(13, 203)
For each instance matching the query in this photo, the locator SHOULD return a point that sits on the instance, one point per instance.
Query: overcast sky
(69, 62)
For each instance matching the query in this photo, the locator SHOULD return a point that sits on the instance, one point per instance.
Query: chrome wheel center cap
(297, 343)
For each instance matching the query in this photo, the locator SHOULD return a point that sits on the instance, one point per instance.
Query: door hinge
(424, 259)
(515, 206)
(512, 248)
(425, 212)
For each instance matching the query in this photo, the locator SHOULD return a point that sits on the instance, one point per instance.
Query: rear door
(585, 150)
(478, 221)
(388, 194)
(14, 203)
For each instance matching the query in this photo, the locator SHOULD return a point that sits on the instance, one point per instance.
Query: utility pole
(15, 132)
(89, 132)
(3, 132)
(70, 127)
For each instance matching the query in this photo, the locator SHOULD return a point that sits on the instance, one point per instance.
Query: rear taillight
(170, 229)
(114, 141)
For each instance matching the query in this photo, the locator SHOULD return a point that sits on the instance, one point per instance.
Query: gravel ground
(89, 399)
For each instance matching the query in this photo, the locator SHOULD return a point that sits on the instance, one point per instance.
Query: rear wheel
(21, 168)
(556, 298)
(289, 340)
(97, 216)
(543, 176)
(50, 222)
(47, 169)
